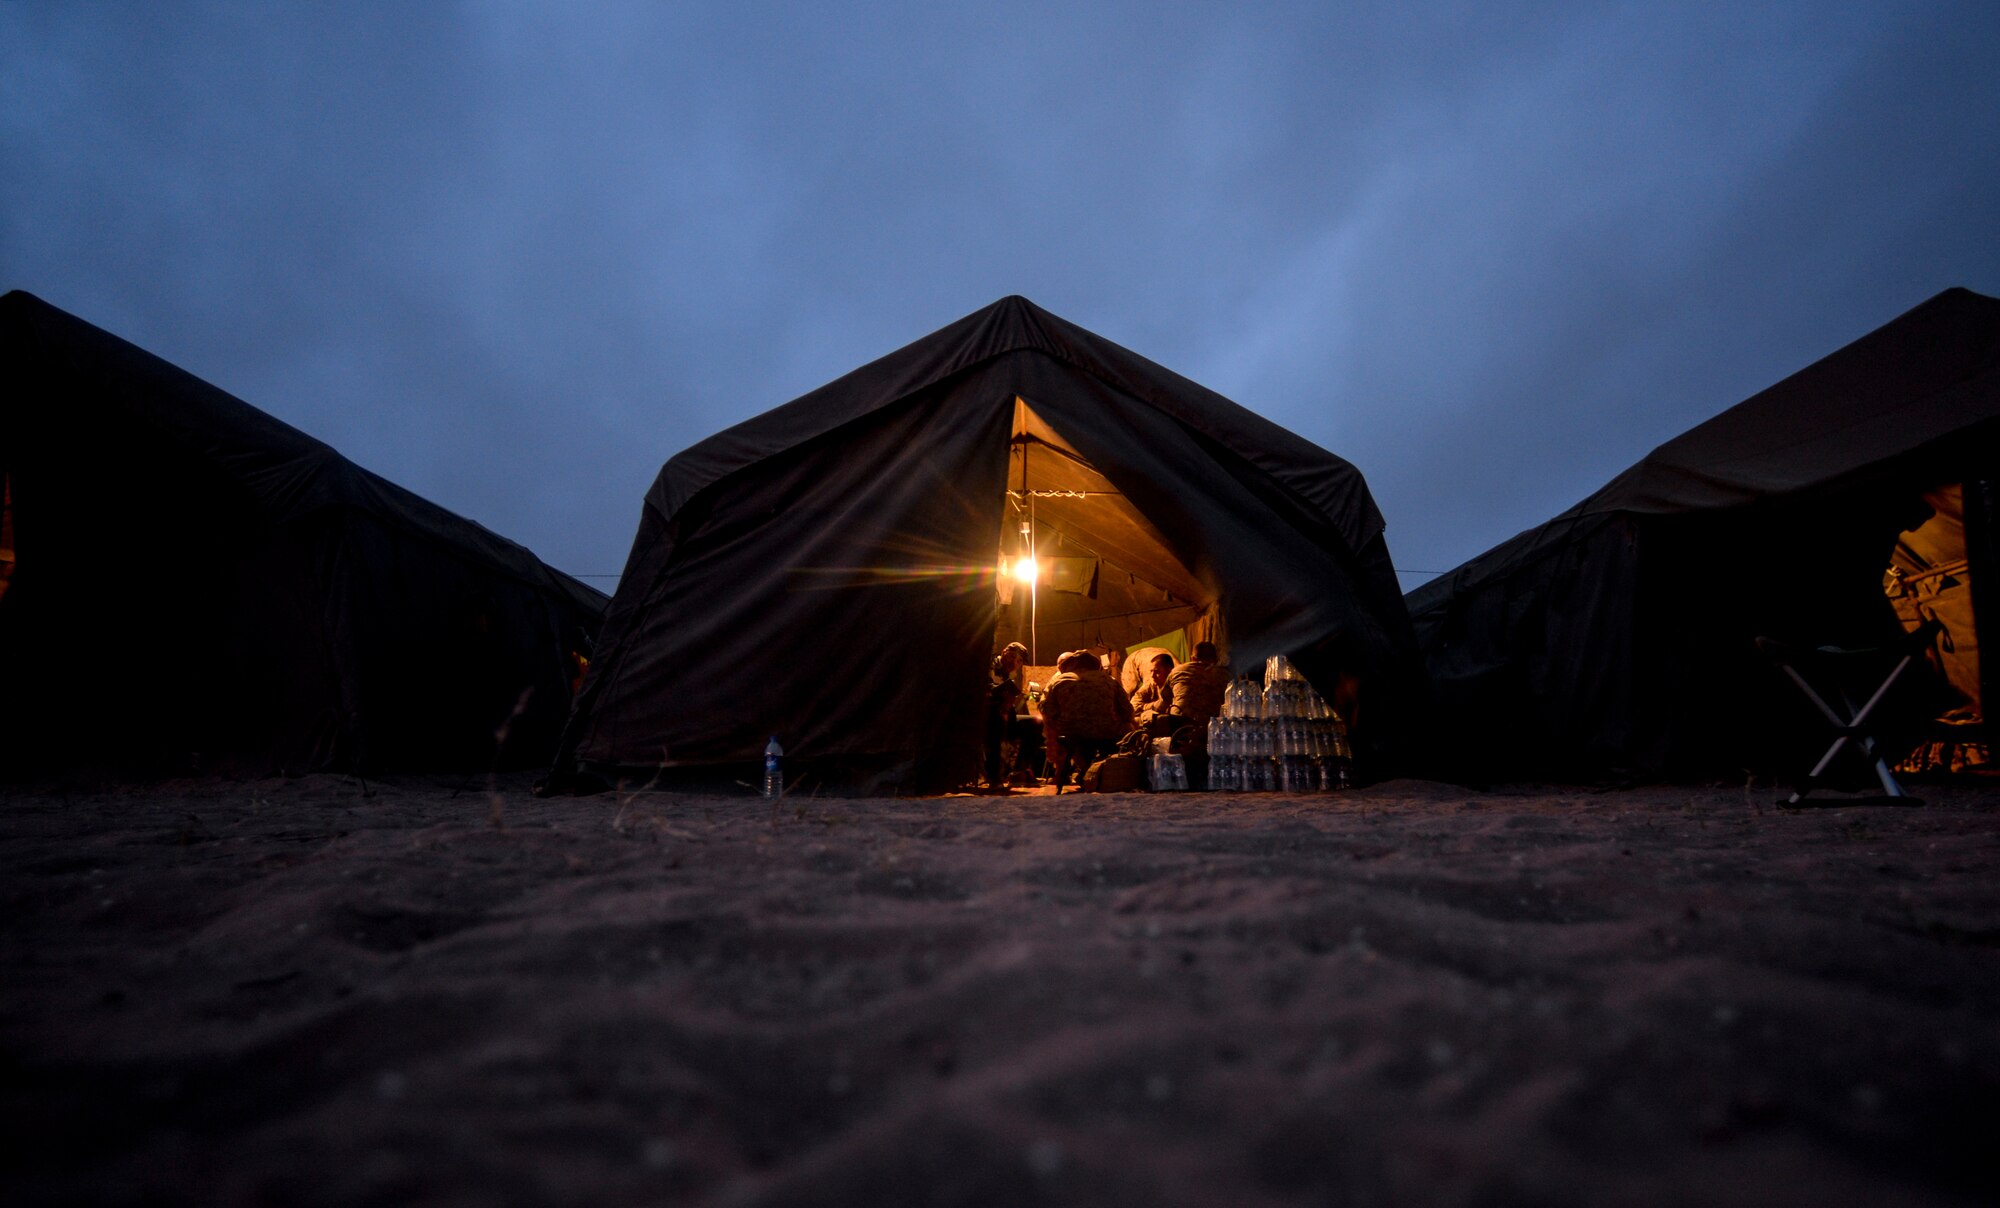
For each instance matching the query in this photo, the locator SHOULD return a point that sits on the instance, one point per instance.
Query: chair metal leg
(1890, 785)
(1851, 729)
(1851, 724)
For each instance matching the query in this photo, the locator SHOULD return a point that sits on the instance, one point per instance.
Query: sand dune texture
(292, 992)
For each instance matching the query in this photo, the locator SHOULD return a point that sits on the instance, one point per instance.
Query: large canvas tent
(1838, 507)
(192, 584)
(826, 571)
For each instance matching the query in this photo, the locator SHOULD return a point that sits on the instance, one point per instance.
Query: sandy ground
(296, 992)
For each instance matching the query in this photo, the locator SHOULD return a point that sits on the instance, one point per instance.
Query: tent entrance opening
(1080, 566)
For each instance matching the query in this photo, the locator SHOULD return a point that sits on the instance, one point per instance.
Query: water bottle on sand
(774, 768)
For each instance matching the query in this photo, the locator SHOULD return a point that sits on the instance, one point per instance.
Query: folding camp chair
(1846, 672)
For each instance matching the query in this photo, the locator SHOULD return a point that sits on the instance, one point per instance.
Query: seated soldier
(1196, 687)
(1083, 711)
(1152, 699)
(1002, 703)
(1195, 691)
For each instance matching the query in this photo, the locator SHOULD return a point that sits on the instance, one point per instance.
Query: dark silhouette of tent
(1620, 634)
(191, 584)
(826, 571)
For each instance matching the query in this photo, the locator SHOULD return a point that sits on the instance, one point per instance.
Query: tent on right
(1843, 506)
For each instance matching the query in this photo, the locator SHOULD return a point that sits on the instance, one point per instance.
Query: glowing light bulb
(1026, 569)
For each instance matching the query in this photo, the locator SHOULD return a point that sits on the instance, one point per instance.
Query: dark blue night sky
(514, 256)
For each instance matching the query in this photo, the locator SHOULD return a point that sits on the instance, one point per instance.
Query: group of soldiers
(1085, 708)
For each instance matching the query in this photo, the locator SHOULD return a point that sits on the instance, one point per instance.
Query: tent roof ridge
(1016, 325)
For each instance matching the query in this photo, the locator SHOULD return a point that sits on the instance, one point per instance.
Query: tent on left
(188, 584)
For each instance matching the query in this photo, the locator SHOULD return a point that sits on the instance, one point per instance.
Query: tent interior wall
(857, 535)
(201, 587)
(1930, 576)
(1128, 586)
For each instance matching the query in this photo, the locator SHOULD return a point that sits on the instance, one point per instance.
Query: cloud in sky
(513, 257)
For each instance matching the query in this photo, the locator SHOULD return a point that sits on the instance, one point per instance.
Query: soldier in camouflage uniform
(1196, 687)
(1084, 705)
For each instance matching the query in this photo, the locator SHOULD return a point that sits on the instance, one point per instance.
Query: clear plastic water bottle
(774, 768)
(1218, 727)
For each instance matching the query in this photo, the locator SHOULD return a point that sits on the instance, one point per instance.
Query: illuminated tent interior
(188, 584)
(1930, 578)
(829, 572)
(1841, 506)
(1079, 565)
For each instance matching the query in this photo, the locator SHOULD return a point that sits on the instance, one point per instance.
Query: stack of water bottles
(1280, 738)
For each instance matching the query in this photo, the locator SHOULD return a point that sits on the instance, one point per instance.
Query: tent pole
(1034, 583)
